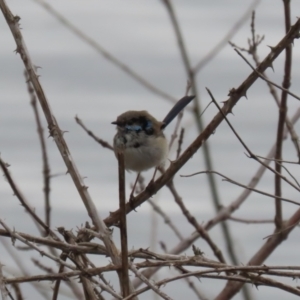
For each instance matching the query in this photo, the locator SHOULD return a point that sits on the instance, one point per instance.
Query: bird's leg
(155, 171)
(134, 186)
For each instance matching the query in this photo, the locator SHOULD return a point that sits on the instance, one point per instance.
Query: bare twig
(212, 53)
(148, 283)
(254, 42)
(225, 212)
(63, 257)
(264, 78)
(282, 116)
(107, 55)
(15, 236)
(235, 279)
(202, 232)
(244, 186)
(166, 218)
(46, 167)
(180, 141)
(103, 143)
(123, 225)
(21, 265)
(265, 251)
(250, 221)
(24, 202)
(3, 289)
(249, 152)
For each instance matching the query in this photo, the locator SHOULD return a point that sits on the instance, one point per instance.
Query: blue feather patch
(148, 125)
(136, 128)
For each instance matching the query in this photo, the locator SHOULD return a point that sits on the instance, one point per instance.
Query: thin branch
(46, 167)
(282, 116)
(16, 236)
(103, 143)
(261, 255)
(213, 53)
(191, 219)
(180, 141)
(61, 268)
(226, 212)
(21, 266)
(235, 279)
(24, 202)
(107, 55)
(244, 186)
(166, 218)
(254, 42)
(249, 152)
(123, 225)
(250, 221)
(148, 283)
(3, 289)
(264, 78)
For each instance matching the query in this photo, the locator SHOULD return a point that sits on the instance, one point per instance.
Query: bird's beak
(114, 123)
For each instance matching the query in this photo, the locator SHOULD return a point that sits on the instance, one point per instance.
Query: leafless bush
(73, 254)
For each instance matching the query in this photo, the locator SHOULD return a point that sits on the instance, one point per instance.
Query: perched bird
(140, 137)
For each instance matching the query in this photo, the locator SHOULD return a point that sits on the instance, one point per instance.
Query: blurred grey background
(79, 81)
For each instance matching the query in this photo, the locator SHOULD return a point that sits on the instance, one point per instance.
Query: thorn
(272, 48)
(230, 111)
(163, 246)
(16, 19)
(231, 92)
(172, 162)
(131, 202)
(18, 50)
(197, 251)
(244, 94)
(225, 102)
(271, 66)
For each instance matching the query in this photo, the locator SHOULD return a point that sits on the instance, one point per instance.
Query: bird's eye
(129, 122)
(149, 131)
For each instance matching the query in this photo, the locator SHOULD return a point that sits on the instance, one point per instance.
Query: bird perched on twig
(140, 137)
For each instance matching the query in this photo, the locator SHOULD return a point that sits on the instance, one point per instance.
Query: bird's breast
(141, 152)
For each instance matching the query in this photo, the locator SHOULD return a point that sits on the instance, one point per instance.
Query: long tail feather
(177, 108)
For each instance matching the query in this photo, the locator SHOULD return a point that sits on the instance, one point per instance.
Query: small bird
(140, 136)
